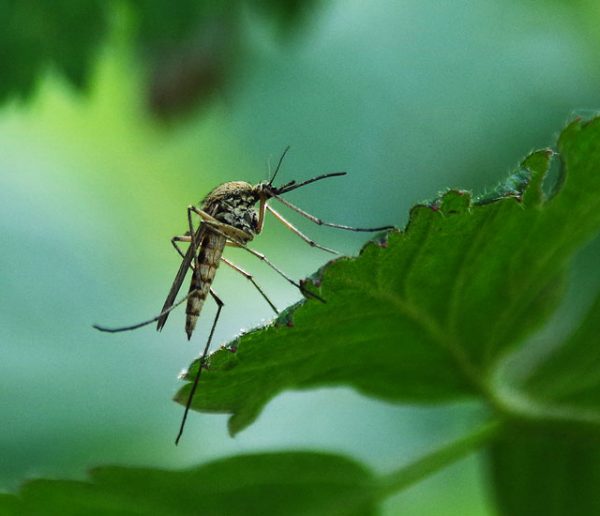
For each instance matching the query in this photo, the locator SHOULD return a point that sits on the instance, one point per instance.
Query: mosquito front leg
(291, 227)
(201, 364)
(262, 206)
(323, 223)
(250, 278)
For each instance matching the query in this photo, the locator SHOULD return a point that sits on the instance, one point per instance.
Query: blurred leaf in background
(189, 48)
(37, 36)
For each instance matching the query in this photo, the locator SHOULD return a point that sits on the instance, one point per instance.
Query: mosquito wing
(181, 273)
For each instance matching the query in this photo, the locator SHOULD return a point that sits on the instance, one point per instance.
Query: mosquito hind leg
(201, 364)
(250, 278)
(174, 240)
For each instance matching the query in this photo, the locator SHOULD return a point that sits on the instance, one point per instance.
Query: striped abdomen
(209, 256)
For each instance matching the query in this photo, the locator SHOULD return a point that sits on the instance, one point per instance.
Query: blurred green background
(98, 163)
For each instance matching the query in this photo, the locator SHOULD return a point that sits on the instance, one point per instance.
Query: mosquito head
(264, 190)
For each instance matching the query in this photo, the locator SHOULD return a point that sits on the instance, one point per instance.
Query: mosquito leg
(192, 233)
(149, 321)
(291, 227)
(263, 258)
(201, 363)
(184, 238)
(226, 230)
(238, 238)
(249, 277)
(321, 222)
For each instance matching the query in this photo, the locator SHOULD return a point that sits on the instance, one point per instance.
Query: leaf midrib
(431, 327)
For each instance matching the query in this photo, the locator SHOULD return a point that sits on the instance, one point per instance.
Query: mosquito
(229, 216)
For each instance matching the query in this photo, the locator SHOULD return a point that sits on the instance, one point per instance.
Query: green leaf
(263, 483)
(9, 504)
(423, 315)
(561, 388)
(67, 36)
(284, 483)
(37, 36)
(570, 377)
(551, 466)
(547, 473)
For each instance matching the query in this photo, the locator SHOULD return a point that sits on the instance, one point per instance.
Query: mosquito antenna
(269, 166)
(288, 187)
(145, 323)
(279, 164)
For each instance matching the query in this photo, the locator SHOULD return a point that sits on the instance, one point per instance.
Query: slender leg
(232, 235)
(149, 321)
(263, 258)
(321, 222)
(184, 238)
(201, 364)
(192, 233)
(174, 240)
(249, 277)
(291, 227)
(226, 230)
(261, 214)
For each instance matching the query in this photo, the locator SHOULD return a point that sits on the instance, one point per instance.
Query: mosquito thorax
(234, 203)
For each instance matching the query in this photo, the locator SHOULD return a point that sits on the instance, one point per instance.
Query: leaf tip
(243, 418)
